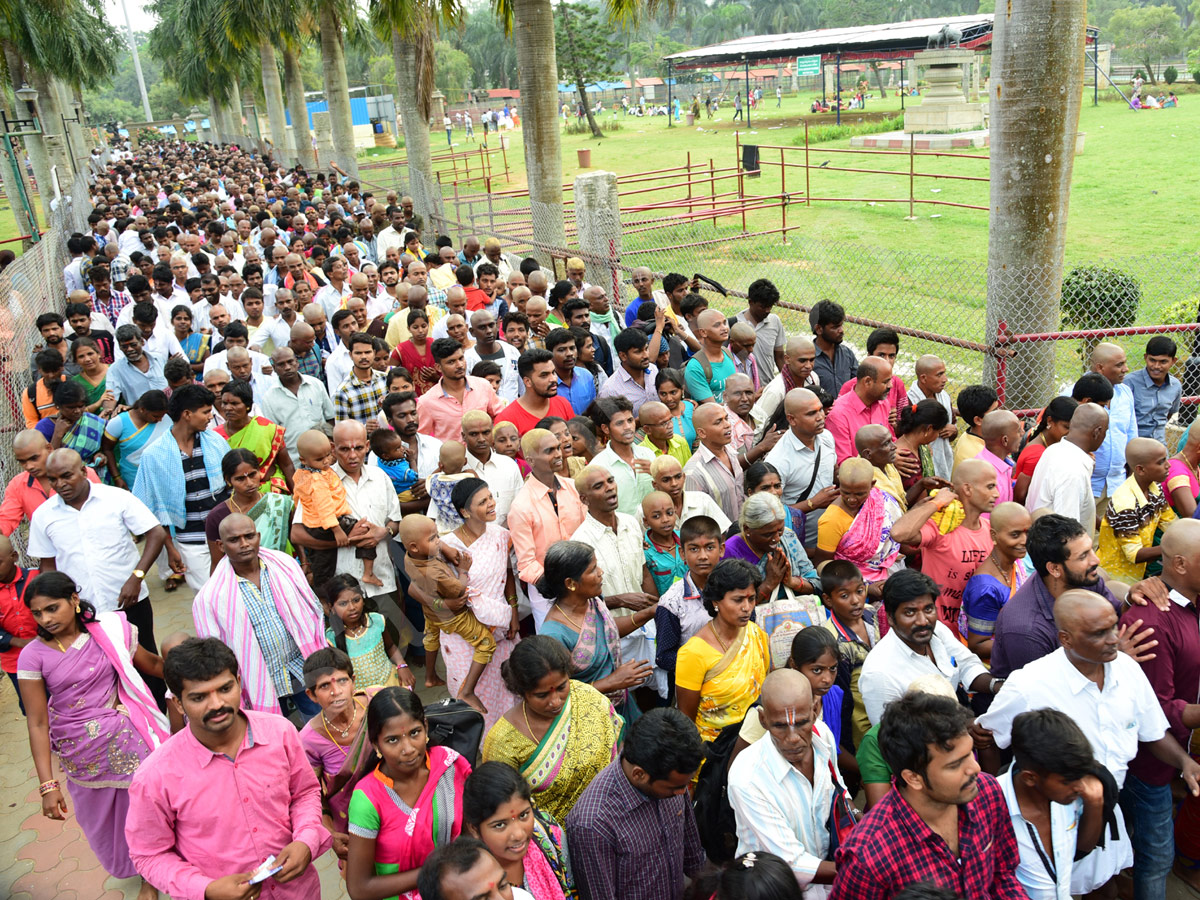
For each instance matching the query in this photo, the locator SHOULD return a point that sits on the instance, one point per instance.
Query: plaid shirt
(359, 400)
(117, 301)
(627, 845)
(893, 847)
(284, 662)
(437, 297)
(310, 364)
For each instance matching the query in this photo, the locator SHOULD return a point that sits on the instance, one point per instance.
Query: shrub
(819, 134)
(1183, 312)
(1097, 297)
(1170, 74)
(1140, 74)
(1196, 76)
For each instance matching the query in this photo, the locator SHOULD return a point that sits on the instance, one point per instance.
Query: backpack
(714, 816)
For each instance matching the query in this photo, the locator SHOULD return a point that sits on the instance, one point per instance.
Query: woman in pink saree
(87, 702)
(859, 526)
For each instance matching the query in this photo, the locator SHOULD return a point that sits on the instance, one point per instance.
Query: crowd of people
(710, 585)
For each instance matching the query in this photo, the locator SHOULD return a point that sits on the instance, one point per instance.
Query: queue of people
(703, 583)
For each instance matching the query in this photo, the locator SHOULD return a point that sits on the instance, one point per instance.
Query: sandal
(172, 583)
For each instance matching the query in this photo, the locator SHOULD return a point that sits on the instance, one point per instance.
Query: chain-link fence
(30, 286)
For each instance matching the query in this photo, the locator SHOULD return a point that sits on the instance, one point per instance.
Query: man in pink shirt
(1001, 433)
(885, 343)
(865, 404)
(30, 489)
(440, 409)
(231, 789)
(951, 558)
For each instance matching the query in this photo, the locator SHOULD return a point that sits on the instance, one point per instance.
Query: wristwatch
(139, 574)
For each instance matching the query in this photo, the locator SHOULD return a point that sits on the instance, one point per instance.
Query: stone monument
(944, 106)
(324, 131)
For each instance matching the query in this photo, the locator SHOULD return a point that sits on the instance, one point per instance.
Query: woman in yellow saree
(561, 734)
(719, 672)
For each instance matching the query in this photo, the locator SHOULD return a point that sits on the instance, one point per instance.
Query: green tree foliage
(118, 98)
(647, 56)
(493, 55)
(586, 52)
(1148, 34)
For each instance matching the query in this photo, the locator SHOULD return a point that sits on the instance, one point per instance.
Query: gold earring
(78, 609)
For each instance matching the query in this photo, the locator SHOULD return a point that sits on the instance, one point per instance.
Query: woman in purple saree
(87, 703)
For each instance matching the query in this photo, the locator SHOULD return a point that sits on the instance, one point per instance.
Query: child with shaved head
(1136, 510)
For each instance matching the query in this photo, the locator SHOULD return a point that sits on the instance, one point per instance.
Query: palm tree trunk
(337, 89)
(537, 75)
(1033, 152)
(273, 94)
(234, 111)
(214, 121)
(425, 192)
(300, 146)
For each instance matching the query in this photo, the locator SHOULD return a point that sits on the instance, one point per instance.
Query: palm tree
(412, 28)
(331, 17)
(1032, 155)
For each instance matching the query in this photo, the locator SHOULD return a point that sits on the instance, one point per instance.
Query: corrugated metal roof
(894, 36)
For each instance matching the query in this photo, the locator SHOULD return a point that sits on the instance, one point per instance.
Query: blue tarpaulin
(358, 111)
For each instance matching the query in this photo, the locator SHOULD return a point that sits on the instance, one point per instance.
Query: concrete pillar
(323, 128)
(60, 162)
(134, 143)
(910, 68)
(598, 220)
(976, 79)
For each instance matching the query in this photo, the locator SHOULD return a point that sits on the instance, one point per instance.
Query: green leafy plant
(1196, 76)
(1099, 298)
(1182, 312)
(1170, 74)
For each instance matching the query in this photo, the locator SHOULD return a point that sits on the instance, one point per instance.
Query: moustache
(223, 711)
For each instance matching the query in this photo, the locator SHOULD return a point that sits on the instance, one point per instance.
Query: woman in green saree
(271, 513)
(260, 436)
(561, 734)
(92, 376)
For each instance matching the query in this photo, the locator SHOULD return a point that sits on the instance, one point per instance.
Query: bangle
(47, 787)
(512, 601)
(401, 665)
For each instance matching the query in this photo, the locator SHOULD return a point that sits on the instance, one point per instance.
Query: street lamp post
(67, 137)
(22, 207)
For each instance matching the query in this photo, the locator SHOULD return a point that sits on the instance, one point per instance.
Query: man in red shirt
(30, 489)
(946, 822)
(536, 369)
(17, 627)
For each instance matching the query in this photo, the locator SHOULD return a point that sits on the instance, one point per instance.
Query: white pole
(137, 64)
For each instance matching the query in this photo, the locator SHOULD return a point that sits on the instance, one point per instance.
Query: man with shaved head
(865, 404)
(714, 466)
(951, 558)
(931, 385)
(799, 356)
(309, 359)
(1062, 481)
(1174, 673)
(259, 604)
(1001, 433)
(706, 372)
(485, 332)
(997, 578)
(782, 786)
(30, 488)
(806, 459)
(643, 284)
(1135, 512)
(654, 418)
(1109, 360)
(1110, 698)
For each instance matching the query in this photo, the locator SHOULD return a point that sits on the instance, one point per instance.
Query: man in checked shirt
(946, 822)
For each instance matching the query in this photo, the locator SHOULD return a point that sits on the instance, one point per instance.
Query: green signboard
(808, 65)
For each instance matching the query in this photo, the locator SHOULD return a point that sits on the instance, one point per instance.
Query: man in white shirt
(931, 385)
(667, 476)
(1062, 480)
(484, 331)
(392, 236)
(799, 356)
(806, 458)
(1108, 696)
(501, 473)
(236, 335)
(782, 786)
(86, 531)
(338, 364)
(916, 644)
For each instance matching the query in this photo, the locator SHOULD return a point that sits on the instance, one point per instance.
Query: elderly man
(456, 305)
(950, 558)
(916, 644)
(180, 479)
(85, 531)
(1113, 702)
(1062, 480)
(782, 786)
(1109, 473)
(487, 347)
(668, 477)
(657, 423)
(931, 385)
(303, 343)
(628, 462)
(136, 371)
(440, 409)
(739, 399)
(373, 501)
(627, 586)
(865, 404)
(714, 468)
(799, 354)
(806, 459)
(32, 487)
(294, 401)
(500, 472)
(258, 602)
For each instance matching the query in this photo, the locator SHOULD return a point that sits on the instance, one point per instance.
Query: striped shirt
(284, 662)
(199, 498)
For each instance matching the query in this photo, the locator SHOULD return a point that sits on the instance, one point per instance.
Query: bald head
(349, 430)
(797, 345)
(235, 523)
(706, 414)
(1181, 538)
(29, 442)
(799, 400)
(652, 411)
(1089, 424)
(63, 460)
(787, 714)
(1075, 608)
(738, 381)
(869, 436)
(786, 687)
(928, 364)
(968, 472)
(1144, 452)
(710, 318)
(237, 355)
(997, 424)
(1105, 354)
(1007, 516)
(302, 331)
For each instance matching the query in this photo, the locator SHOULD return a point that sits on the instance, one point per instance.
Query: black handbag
(455, 724)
